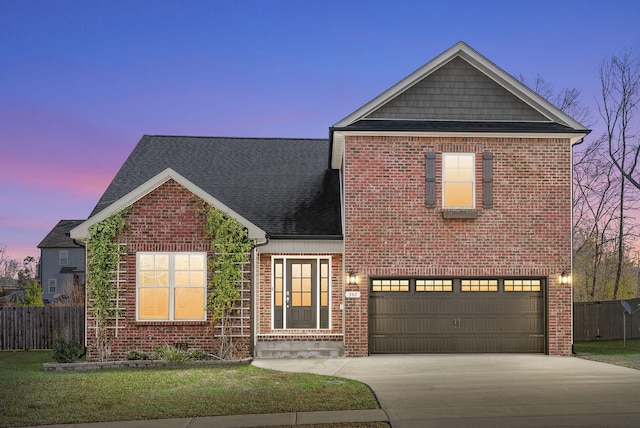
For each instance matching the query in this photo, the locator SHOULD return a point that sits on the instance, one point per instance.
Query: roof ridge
(235, 138)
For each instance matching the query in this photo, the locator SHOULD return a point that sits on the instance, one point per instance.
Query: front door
(301, 295)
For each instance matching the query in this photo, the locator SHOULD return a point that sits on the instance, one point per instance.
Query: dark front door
(301, 293)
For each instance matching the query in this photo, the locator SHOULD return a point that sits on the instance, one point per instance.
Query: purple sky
(82, 81)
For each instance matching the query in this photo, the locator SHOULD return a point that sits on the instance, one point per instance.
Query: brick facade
(389, 231)
(165, 220)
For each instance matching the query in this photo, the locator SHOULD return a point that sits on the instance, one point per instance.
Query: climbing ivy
(231, 246)
(103, 256)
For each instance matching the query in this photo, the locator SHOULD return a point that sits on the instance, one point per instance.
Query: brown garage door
(456, 315)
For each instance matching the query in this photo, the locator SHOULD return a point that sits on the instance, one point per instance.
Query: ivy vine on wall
(231, 246)
(103, 256)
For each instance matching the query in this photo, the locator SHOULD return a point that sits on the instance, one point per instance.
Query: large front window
(458, 180)
(171, 286)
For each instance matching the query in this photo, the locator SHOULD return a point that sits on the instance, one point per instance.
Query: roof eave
(574, 136)
(82, 231)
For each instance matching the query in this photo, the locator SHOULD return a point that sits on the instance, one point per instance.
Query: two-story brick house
(436, 218)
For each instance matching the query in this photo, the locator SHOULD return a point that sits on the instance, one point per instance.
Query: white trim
(473, 179)
(575, 137)
(302, 246)
(337, 163)
(171, 286)
(65, 258)
(485, 66)
(52, 283)
(284, 258)
(82, 230)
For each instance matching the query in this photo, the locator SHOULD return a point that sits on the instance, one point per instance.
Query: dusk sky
(82, 81)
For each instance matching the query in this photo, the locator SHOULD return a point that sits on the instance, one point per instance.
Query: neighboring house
(435, 218)
(10, 292)
(62, 262)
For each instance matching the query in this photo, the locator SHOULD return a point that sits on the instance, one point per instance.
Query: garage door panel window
(397, 285)
(481, 285)
(522, 285)
(434, 285)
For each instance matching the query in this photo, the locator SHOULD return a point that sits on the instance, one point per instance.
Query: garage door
(456, 315)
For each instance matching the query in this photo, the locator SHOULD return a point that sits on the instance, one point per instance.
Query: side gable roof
(275, 187)
(59, 237)
(458, 91)
(152, 184)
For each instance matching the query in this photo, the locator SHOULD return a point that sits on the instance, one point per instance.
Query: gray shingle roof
(281, 185)
(58, 237)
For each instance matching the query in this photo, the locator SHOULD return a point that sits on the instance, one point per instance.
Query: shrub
(196, 354)
(170, 353)
(66, 351)
(137, 355)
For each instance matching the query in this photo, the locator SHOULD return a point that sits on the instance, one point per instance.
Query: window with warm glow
(171, 286)
(458, 180)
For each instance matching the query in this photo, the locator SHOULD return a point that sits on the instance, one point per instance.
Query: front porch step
(301, 349)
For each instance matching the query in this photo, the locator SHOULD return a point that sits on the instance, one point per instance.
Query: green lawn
(31, 396)
(611, 352)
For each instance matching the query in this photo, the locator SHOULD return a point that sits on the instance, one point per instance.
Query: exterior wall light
(352, 278)
(564, 278)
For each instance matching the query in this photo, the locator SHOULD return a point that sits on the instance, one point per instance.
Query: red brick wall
(264, 299)
(389, 231)
(167, 219)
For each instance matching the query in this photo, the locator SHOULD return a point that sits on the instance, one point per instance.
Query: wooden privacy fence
(28, 327)
(605, 321)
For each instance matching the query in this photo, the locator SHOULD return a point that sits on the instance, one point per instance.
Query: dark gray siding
(457, 91)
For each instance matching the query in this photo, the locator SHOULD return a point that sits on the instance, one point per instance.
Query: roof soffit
(82, 231)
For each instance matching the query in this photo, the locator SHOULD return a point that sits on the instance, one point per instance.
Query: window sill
(462, 214)
(166, 323)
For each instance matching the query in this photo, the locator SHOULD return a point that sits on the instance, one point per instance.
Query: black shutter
(430, 180)
(487, 180)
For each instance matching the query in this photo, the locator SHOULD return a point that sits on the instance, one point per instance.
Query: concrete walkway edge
(243, 421)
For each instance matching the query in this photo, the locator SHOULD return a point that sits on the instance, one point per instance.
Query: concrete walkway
(489, 390)
(267, 420)
(446, 391)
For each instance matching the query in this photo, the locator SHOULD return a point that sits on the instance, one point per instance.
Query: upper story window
(458, 180)
(171, 286)
(64, 257)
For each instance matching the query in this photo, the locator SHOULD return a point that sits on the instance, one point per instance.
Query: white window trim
(53, 283)
(473, 180)
(284, 287)
(63, 257)
(171, 255)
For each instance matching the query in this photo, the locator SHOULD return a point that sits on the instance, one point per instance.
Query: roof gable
(456, 91)
(464, 83)
(82, 230)
(459, 92)
(280, 185)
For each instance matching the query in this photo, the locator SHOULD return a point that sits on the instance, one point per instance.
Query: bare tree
(8, 267)
(594, 207)
(566, 99)
(620, 92)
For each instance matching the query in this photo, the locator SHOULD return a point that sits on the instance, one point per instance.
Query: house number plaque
(352, 294)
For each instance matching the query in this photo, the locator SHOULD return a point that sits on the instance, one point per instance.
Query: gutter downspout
(254, 288)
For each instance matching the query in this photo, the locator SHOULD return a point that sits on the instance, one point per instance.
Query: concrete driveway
(488, 390)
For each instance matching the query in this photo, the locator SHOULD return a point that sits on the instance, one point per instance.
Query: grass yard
(611, 352)
(30, 396)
